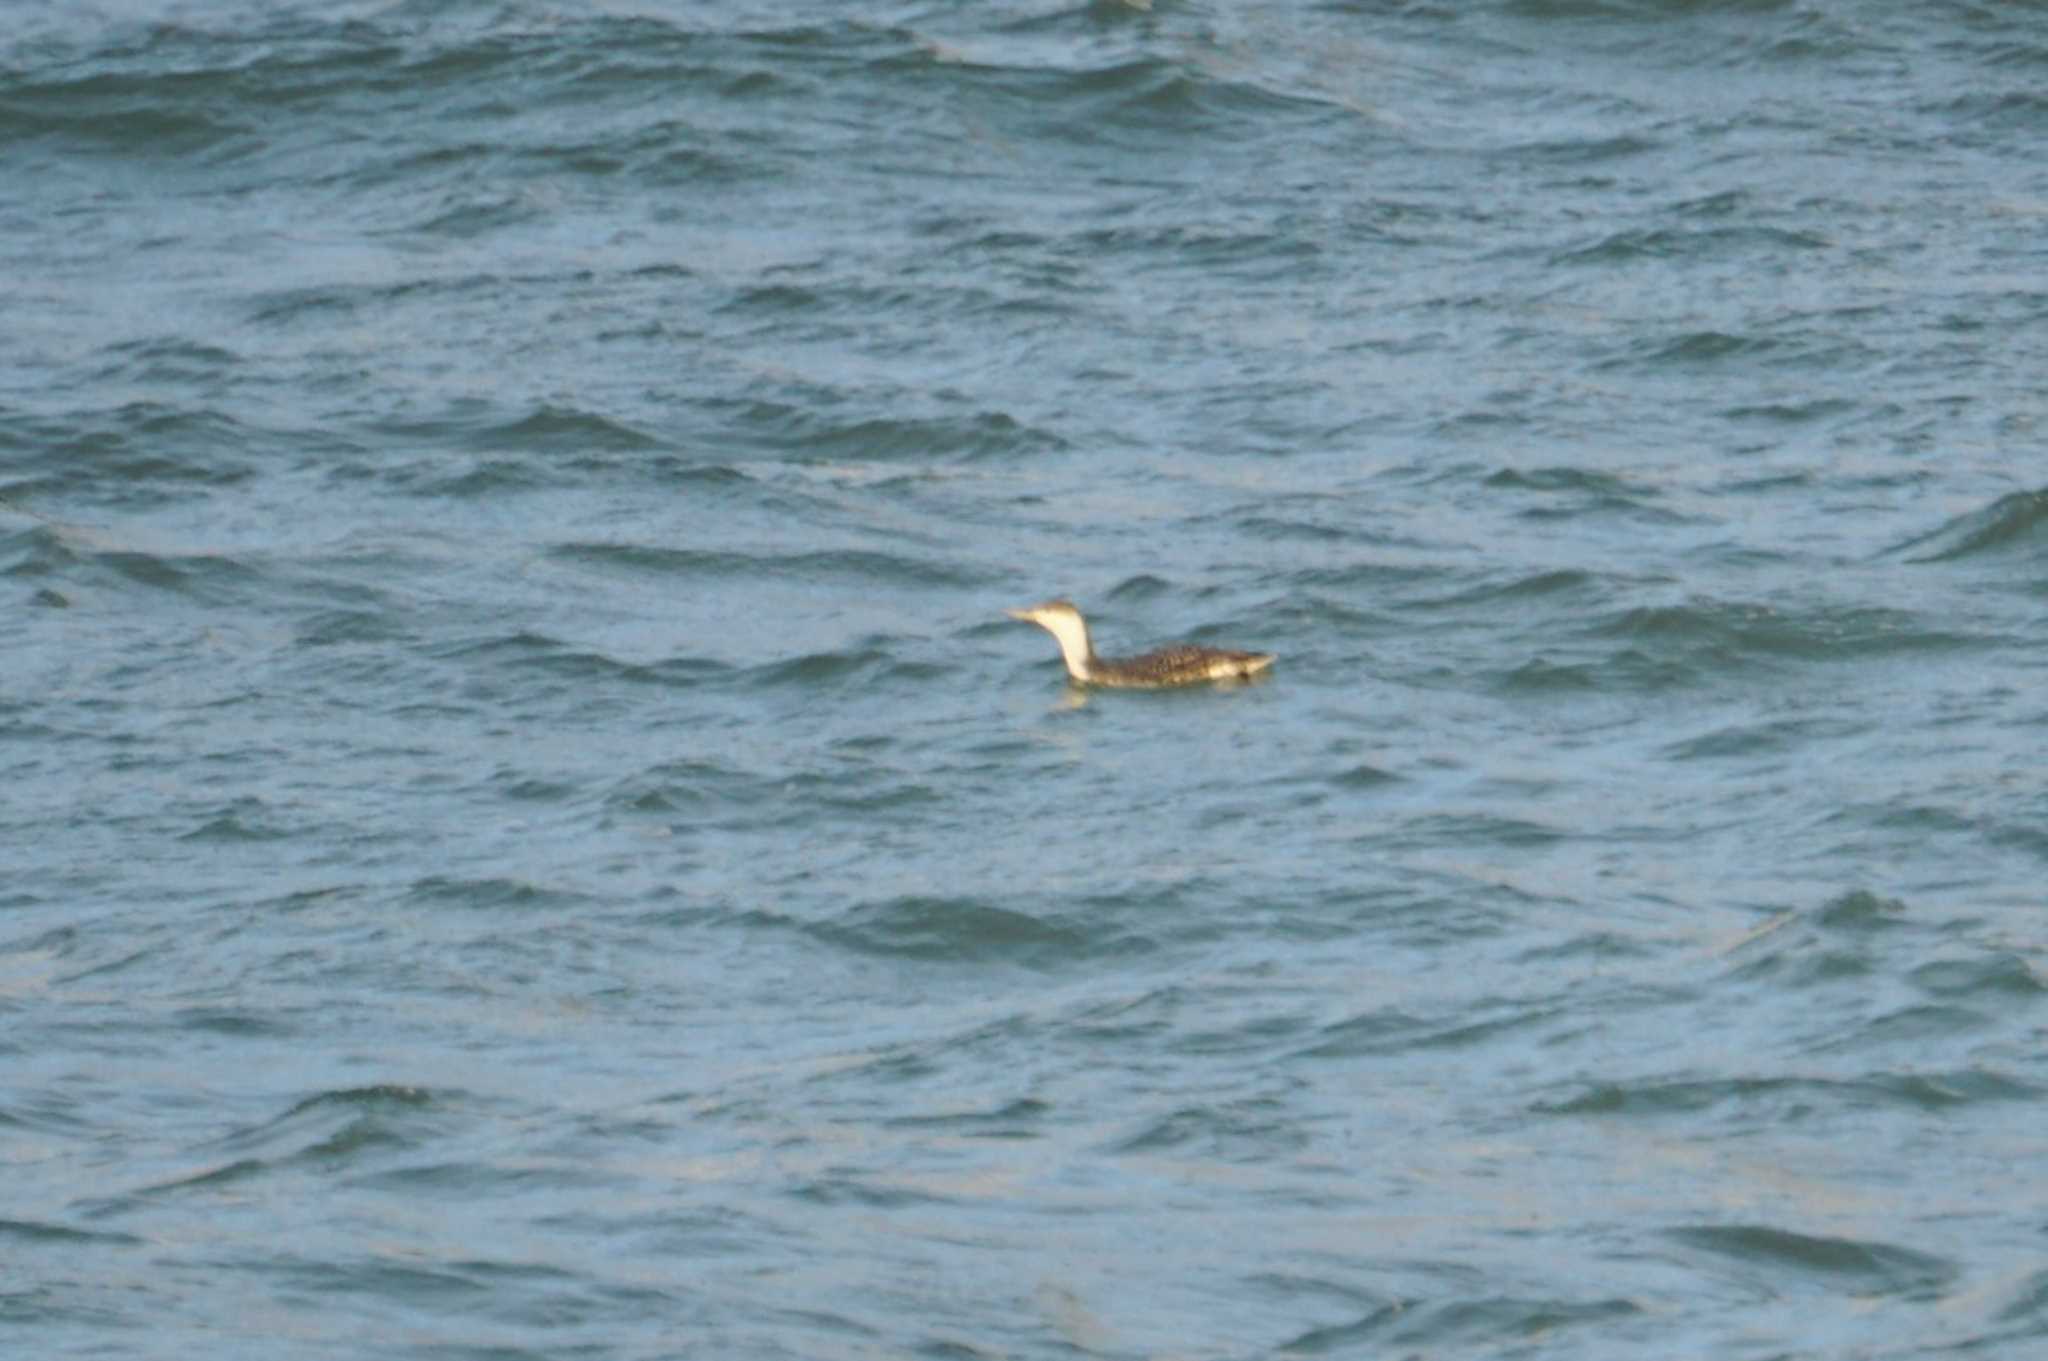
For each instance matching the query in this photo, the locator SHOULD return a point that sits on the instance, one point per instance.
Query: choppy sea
(525, 831)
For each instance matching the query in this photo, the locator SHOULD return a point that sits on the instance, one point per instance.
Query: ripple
(1386, 1032)
(2001, 973)
(1494, 1324)
(2016, 523)
(1250, 1130)
(1725, 632)
(1779, 737)
(1779, 1259)
(958, 931)
(817, 669)
(35, 1236)
(835, 565)
(967, 437)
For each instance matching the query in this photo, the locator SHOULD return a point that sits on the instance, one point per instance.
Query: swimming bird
(1181, 664)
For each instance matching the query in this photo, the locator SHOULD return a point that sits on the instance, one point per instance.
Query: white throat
(1072, 632)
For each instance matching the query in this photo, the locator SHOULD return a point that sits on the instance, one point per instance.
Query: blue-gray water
(524, 832)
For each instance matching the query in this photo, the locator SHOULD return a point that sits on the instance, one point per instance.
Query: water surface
(528, 834)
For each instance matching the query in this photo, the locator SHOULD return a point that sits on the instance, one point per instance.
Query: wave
(841, 565)
(2015, 523)
(1776, 1257)
(139, 449)
(1707, 632)
(945, 929)
(804, 430)
(1477, 1325)
(68, 559)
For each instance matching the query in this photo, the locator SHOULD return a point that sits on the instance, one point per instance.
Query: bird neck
(1072, 633)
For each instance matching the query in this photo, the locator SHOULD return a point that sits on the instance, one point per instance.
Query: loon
(1182, 664)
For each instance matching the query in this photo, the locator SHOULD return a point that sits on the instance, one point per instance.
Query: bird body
(1181, 664)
